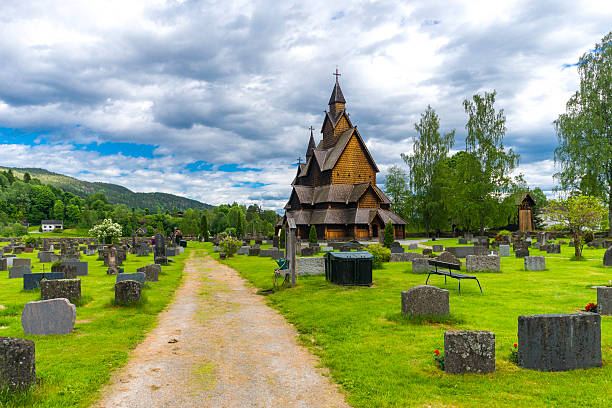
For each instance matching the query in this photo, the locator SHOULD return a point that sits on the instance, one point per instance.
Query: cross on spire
(311, 129)
(337, 74)
(299, 160)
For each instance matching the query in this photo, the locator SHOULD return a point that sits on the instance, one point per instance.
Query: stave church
(335, 190)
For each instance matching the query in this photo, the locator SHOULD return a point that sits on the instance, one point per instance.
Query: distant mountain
(116, 194)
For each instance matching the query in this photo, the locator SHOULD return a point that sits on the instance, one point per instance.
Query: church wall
(353, 167)
(328, 134)
(369, 200)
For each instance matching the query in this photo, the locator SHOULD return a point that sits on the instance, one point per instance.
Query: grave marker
(54, 316)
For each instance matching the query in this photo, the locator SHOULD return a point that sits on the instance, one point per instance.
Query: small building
(526, 205)
(51, 225)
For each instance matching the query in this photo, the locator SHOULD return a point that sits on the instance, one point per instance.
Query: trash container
(183, 243)
(349, 268)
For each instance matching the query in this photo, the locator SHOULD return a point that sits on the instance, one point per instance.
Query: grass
(383, 359)
(66, 233)
(70, 369)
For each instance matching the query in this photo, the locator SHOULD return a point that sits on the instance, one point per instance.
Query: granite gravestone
(54, 316)
(151, 272)
(535, 263)
(412, 247)
(128, 291)
(469, 352)
(448, 257)
(22, 262)
(60, 288)
(81, 267)
(604, 300)
(405, 257)
(487, 263)
(32, 280)
(559, 342)
(521, 252)
(3, 264)
(139, 277)
(437, 248)
(17, 364)
(19, 271)
(427, 251)
(425, 300)
(504, 250)
(607, 259)
(420, 265)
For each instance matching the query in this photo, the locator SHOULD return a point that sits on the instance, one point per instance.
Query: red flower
(437, 352)
(515, 345)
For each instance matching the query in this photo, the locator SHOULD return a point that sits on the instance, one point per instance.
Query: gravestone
(70, 271)
(160, 246)
(604, 300)
(504, 250)
(254, 250)
(128, 291)
(487, 263)
(427, 251)
(32, 280)
(481, 250)
(521, 253)
(397, 250)
(3, 264)
(469, 352)
(420, 265)
(53, 316)
(22, 262)
(554, 249)
(171, 251)
(405, 257)
(19, 271)
(60, 288)
(449, 258)
(463, 241)
(81, 267)
(310, 266)
(244, 250)
(535, 263)
(607, 259)
(45, 257)
(461, 252)
(438, 248)
(139, 277)
(412, 247)
(326, 249)
(425, 300)
(559, 342)
(151, 272)
(222, 256)
(17, 364)
(310, 251)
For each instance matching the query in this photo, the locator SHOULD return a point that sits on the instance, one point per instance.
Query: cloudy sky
(212, 99)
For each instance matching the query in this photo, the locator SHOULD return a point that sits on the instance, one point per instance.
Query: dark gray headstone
(427, 251)
(19, 271)
(128, 291)
(607, 259)
(254, 251)
(3, 264)
(32, 280)
(397, 250)
(504, 250)
(151, 272)
(469, 352)
(559, 342)
(44, 256)
(81, 267)
(535, 263)
(17, 364)
(521, 253)
(461, 252)
(60, 288)
(54, 316)
(463, 241)
(425, 300)
(604, 300)
(139, 277)
(405, 257)
(22, 262)
(438, 248)
(554, 249)
(171, 251)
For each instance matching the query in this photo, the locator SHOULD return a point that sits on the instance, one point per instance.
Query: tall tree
(486, 128)
(396, 187)
(584, 131)
(430, 149)
(204, 227)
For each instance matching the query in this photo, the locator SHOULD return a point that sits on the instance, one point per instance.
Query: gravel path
(220, 345)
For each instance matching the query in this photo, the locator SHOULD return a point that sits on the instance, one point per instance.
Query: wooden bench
(451, 267)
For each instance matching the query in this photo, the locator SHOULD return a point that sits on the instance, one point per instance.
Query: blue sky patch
(127, 149)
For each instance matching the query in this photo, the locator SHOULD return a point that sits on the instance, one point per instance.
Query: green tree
(430, 149)
(389, 235)
(204, 227)
(312, 235)
(584, 154)
(579, 214)
(58, 210)
(26, 177)
(486, 128)
(396, 187)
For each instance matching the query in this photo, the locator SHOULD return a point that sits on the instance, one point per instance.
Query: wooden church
(335, 190)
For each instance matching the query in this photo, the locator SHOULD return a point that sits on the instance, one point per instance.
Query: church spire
(336, 100)
(311, 145)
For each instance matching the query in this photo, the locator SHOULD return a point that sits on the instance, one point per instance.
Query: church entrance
(374, 230)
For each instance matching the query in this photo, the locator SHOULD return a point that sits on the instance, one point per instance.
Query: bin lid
(351, 255)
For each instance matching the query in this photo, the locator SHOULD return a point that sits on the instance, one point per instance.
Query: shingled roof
(336, 193)
(336, 96)
(359, 216)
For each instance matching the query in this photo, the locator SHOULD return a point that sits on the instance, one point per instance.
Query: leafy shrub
(106, 231)
(229, 245)
(380, 254)
(504, 233)
(30, 242)
(312, 235)
(588, 237)
(388, 239)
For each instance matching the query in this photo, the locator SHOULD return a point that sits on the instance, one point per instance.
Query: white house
(50, 225)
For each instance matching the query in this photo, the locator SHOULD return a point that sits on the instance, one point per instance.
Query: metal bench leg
(459, 285)
(444, 280)
(427, 280)
(479, 286)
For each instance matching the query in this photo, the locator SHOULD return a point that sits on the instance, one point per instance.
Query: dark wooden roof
(525, 196)
(359, 216)
(336, 95)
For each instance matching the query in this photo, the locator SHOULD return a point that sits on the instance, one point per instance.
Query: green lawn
(71, 368)
(67, 233)
(384, 360)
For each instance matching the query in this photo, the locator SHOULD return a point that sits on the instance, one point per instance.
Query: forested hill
(116, 194)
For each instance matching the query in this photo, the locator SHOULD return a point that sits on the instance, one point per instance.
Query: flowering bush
(229, 245)
(591, 307)
(106, 231)
(514, 354)
(439, 359)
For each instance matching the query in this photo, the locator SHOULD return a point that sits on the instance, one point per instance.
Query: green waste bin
(349, 268)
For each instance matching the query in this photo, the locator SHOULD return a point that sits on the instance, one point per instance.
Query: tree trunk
(481, 224)
(427, 227)
(610, 213)
(577, 251)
